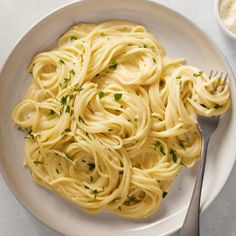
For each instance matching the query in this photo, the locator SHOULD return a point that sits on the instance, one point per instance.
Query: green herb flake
(65, 83)
(174, 156)
(109, 129)
(69, 157)
(71, 96)
(197, 74)
(80, 119)
(72, 72)
(38, 162)
(157, 143)
(61, 61)
(84, 161)
(217, 106)
(164, 194)
(68, 130)
(116, 199)
(162, 150)
(181, 144)
(101, 94)
(67, 109)
(178, 77)
(161, 83)
(154, 60)
(95, 192)
(72, 38)
(86, 187)
(91, 178)
(117, 96)
(63, 100)
(180, 83)
(78, 89)
(51, 112)
(113, 64)
(30, 135)
(91, 166)
(57, 171)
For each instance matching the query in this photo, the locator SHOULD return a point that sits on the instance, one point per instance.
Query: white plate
(181, 38)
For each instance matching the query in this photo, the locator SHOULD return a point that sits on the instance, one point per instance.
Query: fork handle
(191, 222)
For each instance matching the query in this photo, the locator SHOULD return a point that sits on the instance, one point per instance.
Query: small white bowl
(220, 21)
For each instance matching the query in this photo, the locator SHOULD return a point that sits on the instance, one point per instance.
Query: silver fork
(207, 126)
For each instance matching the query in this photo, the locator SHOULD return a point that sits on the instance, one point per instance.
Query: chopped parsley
(67, 109)
(38, 162)
(72, 72)
(61, 61)
(113, 64)
(63, 100)
(21, 129)
(181, 144)
(117, 96)
(91, 166)
(57, 171)
(174, 156)
(72, 38)
(130, 200)
(158, 144)
(161, 83)
(217, 106)
(95, 192)
(91, 178)
(69, 157)
(154, 60)
(162, 150)
(145, 46)
(180, 83)
(164, 194)
(101, 94)
(51, 112)
(197, 74)
(109, 129)
(80, 119)
(29, 133)
(116, 199)
(65, 83)
(78, 89)
(178, 77)
(66, 130)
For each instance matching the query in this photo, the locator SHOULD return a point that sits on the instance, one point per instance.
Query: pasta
(111, 118)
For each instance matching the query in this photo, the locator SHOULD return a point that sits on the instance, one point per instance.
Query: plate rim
(81, 2)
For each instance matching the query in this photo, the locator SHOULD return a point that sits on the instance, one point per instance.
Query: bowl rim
(220, 21)
(20, 38)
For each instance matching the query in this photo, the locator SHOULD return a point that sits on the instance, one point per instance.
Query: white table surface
(16, 16)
